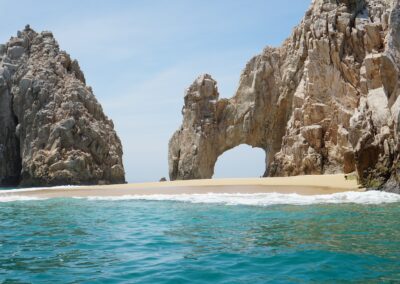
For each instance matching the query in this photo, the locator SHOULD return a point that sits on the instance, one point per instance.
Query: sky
(140, 56)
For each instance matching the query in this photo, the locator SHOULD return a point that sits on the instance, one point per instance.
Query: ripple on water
(69, 240)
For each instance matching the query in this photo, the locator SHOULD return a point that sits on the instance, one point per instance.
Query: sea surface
(209, 238)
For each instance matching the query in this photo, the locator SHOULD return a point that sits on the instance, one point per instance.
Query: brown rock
(326, 101)
(52, 129)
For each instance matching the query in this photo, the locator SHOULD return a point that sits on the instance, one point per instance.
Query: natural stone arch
(255, 116)
(326, 101)
(242, 161)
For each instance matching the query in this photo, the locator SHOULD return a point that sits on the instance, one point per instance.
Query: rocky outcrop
(52, 129)
(326, 101)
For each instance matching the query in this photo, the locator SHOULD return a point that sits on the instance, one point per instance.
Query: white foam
(11, 198)
(38, 188)
(255, 199)
(265, 199)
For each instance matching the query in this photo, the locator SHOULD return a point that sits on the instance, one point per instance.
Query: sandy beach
(304, 185)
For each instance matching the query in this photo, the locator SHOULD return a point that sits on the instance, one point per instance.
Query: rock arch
(212, 126)
(326, 101)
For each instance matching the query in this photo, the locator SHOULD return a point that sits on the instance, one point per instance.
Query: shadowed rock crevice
(52, 129)
(10, 161)
(326, 101)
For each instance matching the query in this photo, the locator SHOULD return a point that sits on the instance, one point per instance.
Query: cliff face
(52, 129)
(326, 101)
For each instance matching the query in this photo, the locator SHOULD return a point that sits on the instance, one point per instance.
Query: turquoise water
(138, 241)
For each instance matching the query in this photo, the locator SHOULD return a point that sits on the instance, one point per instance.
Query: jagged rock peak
(52, 129)
(326, 101)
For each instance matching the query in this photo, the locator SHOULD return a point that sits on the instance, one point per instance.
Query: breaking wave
(11, 198)
(265, 199)
(255, 199)
(60, 187)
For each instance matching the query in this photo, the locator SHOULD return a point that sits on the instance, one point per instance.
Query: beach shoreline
(303, 185)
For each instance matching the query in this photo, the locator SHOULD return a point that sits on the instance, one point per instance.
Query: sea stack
(52, 129)
(326, 101)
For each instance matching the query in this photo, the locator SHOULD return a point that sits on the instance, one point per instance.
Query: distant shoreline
(303, 185)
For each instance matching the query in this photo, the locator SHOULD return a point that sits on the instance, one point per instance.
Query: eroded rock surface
(52, 129)
(326, 101)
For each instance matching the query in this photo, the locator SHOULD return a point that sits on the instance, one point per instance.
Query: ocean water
(210, 238)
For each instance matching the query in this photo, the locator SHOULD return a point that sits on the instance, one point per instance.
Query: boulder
(52, 129)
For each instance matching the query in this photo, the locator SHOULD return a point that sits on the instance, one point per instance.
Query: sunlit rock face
(52, 129)
(326, 101)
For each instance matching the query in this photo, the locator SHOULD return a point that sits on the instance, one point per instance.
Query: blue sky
(140, 56)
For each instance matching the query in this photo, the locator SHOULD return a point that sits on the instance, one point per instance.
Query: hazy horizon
(139, 58)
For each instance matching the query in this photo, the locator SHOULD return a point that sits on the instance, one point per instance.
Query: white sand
(305, 185)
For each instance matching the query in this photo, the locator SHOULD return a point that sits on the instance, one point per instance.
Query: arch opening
(242, 161)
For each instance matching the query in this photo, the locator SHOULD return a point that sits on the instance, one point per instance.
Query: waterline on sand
(265, 199)
(254, 199)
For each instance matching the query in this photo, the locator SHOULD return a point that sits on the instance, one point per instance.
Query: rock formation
(52, 129)
(326, 101)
